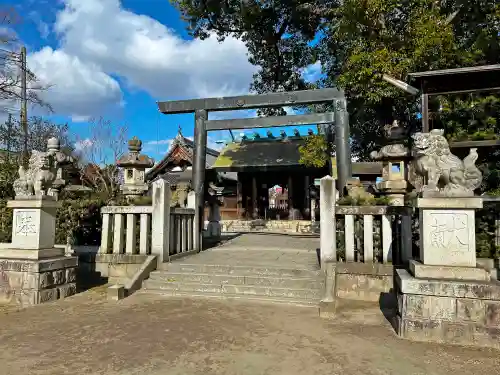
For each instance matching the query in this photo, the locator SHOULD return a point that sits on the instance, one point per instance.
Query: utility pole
(8, 138)
(24, 105)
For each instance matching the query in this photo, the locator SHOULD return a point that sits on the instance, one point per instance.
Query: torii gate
(201, 107)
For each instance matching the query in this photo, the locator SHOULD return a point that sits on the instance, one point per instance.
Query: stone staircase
(286, 277)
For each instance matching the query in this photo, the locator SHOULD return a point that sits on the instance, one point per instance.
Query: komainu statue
(446, 174)
(38, 178)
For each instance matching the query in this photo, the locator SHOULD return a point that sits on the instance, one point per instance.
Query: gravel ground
(148, 335)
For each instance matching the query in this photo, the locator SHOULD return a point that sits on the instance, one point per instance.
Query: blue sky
(116, 58)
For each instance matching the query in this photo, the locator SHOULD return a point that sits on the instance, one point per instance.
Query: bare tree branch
(98, 154)
(11, 66)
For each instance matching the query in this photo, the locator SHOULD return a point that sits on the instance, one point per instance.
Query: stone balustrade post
(328, 247)
(160, 222)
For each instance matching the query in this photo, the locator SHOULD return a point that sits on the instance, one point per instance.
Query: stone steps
(293, 286)
(236, 297)
(240, 270)
(254, 290)
(206, 278)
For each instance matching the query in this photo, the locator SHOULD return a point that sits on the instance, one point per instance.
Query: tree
(356, 41)
(11, 66)
(98, 154)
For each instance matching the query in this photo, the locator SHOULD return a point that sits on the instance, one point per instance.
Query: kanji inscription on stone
(25, 223)
(449, 231)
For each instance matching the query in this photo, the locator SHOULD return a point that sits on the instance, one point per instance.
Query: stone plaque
(449, 231)
(25, 223)
(448, 237)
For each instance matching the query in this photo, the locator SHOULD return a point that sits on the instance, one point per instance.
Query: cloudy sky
(117, 58)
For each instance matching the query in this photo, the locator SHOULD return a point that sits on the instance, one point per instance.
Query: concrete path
(150, 336)
(265, 241)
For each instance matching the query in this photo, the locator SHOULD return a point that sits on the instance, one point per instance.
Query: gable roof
(183, 147)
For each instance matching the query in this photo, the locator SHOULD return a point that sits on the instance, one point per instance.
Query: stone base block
(30, 282)
(31, 254)
(422, 271)
(116, 292)
(449, 311)
(327, 309)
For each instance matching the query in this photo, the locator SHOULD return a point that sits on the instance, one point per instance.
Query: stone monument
(33, 269)
(134, 166)
(446, 296)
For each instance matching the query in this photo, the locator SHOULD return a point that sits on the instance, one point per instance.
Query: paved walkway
(149, 336)
(254, 241)
(272, 250)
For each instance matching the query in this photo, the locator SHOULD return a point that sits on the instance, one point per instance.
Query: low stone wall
(268, 226)
(364, 281)
(31, 282)
(114, 268)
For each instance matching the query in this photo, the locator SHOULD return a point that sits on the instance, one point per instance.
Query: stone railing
(148, 230)
(120, 226)
(374, 234)
(348, 233)
(181, 231)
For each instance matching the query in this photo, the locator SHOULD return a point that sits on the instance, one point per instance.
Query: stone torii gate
(201, 107)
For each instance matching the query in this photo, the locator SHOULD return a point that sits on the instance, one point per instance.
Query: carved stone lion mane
(38, 178)
(446, 174)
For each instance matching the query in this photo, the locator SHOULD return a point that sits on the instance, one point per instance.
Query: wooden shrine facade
(264, 163)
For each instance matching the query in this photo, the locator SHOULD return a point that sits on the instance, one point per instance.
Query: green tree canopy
(356, 42)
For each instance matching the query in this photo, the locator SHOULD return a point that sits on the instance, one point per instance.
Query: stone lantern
(134, 166)
(395, 158)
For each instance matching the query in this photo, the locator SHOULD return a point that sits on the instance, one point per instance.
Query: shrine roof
(469, 79)
(273, 154)
(186, 153)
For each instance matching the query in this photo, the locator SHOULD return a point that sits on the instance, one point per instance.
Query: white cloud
(83, 144)
(99, 38)
(160, 142)
(77, 88)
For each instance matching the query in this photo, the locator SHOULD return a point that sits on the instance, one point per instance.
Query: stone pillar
(191, 200)
(307, 200)
(328, 245)
(291, 211)
(160, 222)
(214, 227)
(255, 206)
(238, 199)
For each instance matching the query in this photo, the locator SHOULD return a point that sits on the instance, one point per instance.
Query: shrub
(78, 221)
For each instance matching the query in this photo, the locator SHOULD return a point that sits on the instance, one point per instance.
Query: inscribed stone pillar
(160, 223)
(328, 251)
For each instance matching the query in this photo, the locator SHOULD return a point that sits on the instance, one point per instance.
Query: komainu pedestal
(32, 269)
(448, 231)
(446, 296)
